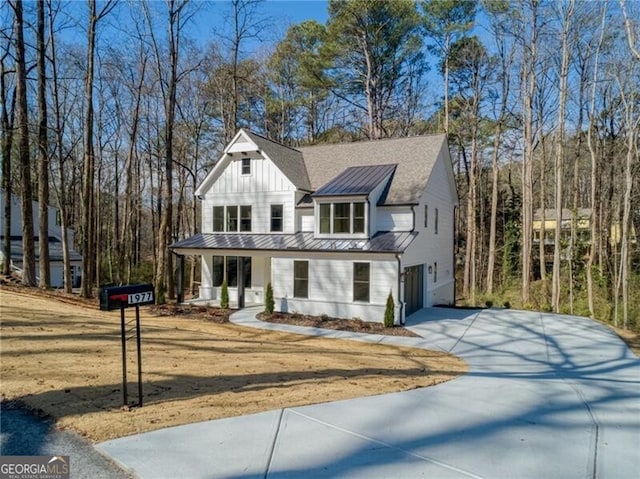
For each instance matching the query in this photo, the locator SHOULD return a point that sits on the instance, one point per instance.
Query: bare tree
(505, 58)
(8, 105)
(43, 154)
(88, 224)
(593, 222)
(560, 153)
(28, 245)
(528, 89)
(178, 17)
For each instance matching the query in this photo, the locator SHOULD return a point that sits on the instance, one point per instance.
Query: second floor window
(276, 218)
(218, 218)
(325, 218)
(245, 218)
(246, 166)
(342, 218)
(232, 218)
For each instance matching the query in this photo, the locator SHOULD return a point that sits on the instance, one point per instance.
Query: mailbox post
(122, 297)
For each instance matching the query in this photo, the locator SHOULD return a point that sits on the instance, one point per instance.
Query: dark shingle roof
(414, 156)
(288, 160)
(356, 180)
(384, 242)
(55, 250)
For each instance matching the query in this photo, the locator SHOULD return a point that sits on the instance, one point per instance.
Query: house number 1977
(137, 298)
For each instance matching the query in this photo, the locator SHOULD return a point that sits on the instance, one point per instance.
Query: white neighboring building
(334, 228)
(55, 242)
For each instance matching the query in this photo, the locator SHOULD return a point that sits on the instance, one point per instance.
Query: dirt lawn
(65, 360)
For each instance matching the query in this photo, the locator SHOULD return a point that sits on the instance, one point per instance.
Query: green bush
(269, 304)
(224, 296)
(389, 312)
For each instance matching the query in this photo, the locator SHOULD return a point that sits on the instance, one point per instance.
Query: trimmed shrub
(269, 303)
(224, 296)
(389, 312)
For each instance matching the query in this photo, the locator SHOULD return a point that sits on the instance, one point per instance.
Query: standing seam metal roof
(356, 180)
(384, 242)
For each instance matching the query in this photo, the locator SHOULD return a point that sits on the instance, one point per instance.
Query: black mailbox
(117, 297)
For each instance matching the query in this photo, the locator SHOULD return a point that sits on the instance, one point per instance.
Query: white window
(342, 218)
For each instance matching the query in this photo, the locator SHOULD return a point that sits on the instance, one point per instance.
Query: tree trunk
(529, 88)
(593, 219)
(559, 160)
(7, 143)
(88, 169)
(62, 188)
(43, 161)
(28, 245)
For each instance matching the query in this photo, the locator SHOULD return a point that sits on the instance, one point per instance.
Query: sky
(279, 14)
(212, 17)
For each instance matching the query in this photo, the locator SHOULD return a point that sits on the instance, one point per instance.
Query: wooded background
(113, 113)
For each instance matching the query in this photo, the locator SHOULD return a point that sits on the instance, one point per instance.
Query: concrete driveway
(547, 396)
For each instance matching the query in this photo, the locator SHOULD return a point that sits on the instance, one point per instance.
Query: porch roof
(382, 242)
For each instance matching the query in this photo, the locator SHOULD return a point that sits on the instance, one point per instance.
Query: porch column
(180, 278)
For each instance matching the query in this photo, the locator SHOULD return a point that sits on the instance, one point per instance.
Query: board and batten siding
(306, 219)
(394, 218)
(260, 273)
(331, 287)
(265, 186)
(431, 248)
(264, 177)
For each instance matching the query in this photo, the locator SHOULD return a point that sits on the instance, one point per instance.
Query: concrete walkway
(547, 396)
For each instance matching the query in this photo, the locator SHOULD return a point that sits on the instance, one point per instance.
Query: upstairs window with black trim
(232, 218)
(300, 279)
(245, 218)
(361, 280)
(246, 166)
(426, 216)
(218, 219)
(435, 222)
(276, 218)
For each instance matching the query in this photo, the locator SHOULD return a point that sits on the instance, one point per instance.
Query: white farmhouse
(55, 242)
(334, 228)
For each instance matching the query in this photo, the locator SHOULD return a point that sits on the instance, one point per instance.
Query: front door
(414, 288)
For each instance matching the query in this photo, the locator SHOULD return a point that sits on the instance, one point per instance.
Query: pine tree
(268, 300)
(389, 312)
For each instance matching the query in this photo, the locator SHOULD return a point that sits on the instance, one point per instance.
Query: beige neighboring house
(333, 228)
(582, 218)
(55, 242)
